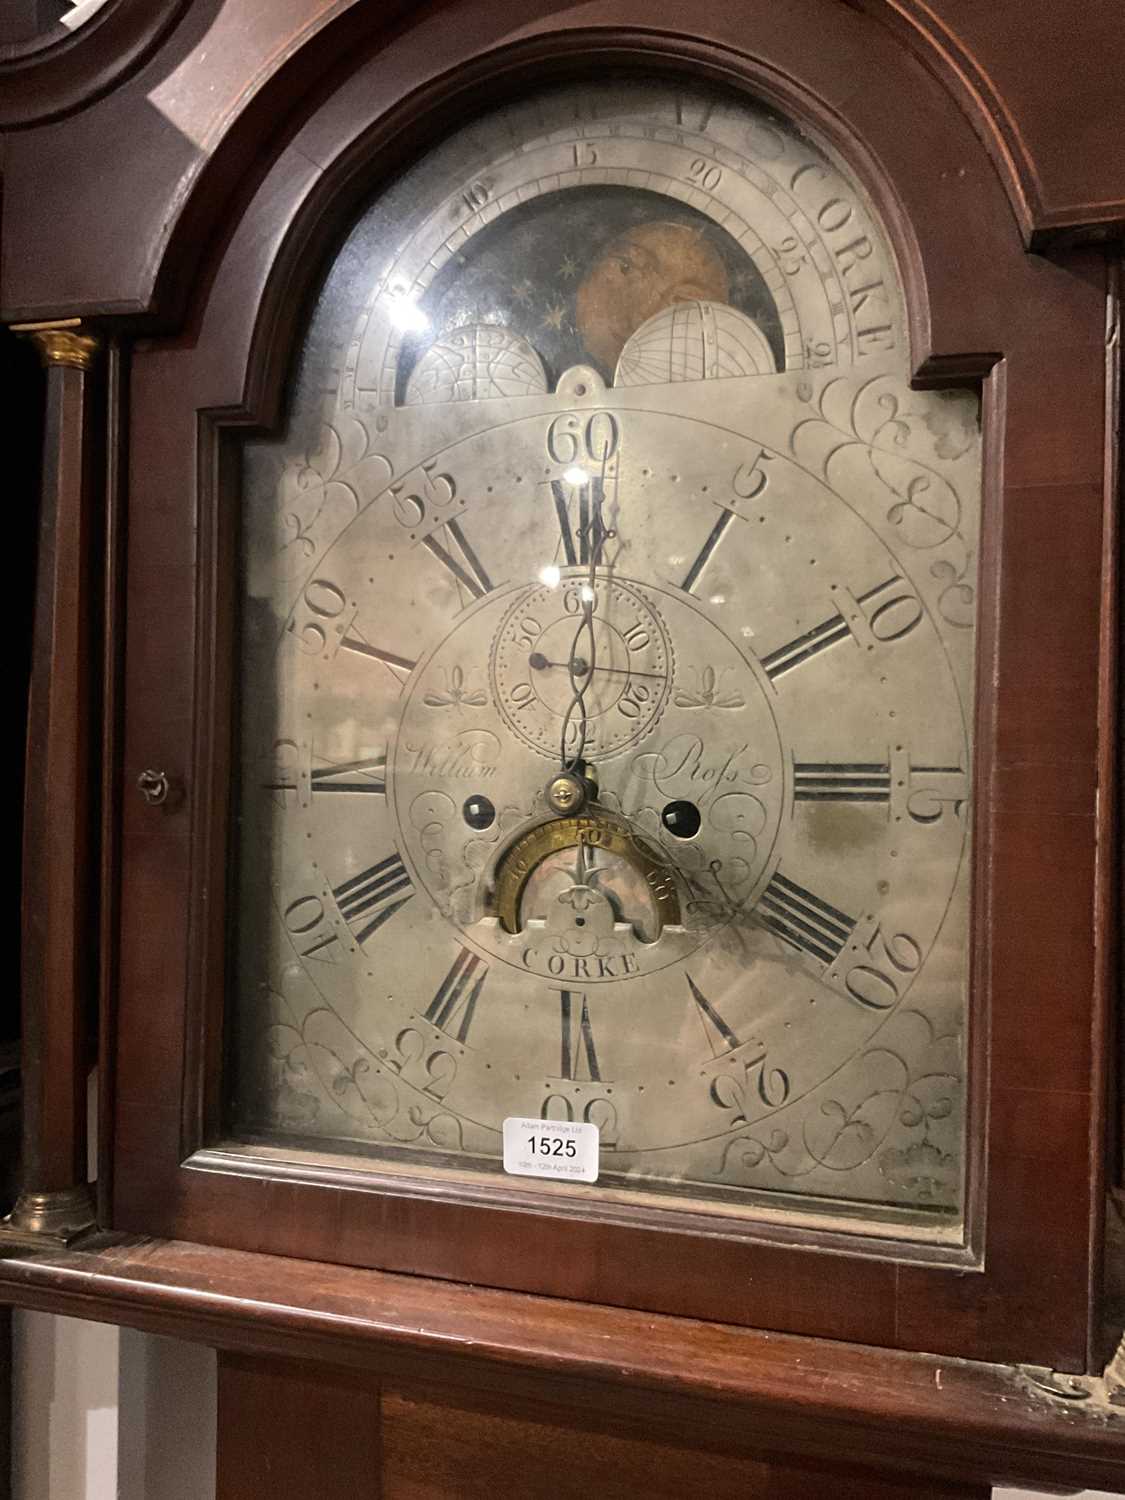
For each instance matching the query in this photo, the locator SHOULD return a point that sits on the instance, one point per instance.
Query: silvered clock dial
(608, 632)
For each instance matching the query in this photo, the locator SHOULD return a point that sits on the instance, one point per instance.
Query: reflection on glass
(619, 479)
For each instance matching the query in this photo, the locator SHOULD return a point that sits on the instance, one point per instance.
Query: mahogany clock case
(1029, 331)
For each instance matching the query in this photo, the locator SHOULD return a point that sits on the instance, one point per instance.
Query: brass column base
(48, 1221)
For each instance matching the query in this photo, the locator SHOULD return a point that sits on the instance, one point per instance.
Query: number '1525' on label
(551, 1148)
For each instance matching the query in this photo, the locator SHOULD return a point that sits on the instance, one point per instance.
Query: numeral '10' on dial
(886, 619)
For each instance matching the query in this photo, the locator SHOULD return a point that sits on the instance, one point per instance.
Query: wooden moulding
(710, 1386)
(56, 74)
(1047, 114)
(1060, 156)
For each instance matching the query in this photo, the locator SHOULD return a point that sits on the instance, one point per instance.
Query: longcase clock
(609, 745)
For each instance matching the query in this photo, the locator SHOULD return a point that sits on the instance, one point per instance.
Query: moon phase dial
(622, 662)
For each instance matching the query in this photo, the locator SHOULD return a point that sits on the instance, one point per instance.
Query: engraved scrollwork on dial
(901, 447)
(892, 1110)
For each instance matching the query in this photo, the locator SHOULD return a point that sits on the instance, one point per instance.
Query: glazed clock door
(604, 693)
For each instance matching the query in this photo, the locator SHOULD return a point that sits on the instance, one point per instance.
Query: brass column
(55, 1204)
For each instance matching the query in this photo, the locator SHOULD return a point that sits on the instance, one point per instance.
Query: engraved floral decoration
(720, 874)
(717, 885)
(459, 692)
(707, 692)
(873, 423)
(888, 1108)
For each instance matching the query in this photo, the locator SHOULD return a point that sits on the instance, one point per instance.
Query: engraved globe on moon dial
(623, 663)
(474, 364)
(694, 341)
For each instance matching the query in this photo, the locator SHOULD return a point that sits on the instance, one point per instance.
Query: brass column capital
(61, 342)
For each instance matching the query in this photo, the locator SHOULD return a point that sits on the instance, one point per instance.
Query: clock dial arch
(803, 232)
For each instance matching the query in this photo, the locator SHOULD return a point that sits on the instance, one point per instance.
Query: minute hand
(539, 663)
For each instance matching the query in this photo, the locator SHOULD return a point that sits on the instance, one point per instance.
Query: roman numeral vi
(579, 1056)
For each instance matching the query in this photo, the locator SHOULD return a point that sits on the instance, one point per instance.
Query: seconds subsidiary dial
(626, 670)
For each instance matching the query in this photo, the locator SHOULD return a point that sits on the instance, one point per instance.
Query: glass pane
(607, 676)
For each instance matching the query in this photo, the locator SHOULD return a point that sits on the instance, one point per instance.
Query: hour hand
(539, 663)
